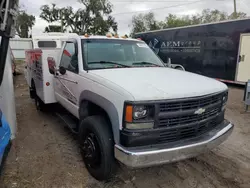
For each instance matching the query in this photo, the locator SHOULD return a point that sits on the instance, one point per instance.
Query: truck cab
(126, 104)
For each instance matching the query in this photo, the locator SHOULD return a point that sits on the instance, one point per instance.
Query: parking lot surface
(45, 154)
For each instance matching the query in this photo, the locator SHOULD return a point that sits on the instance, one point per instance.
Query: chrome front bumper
(174, 152)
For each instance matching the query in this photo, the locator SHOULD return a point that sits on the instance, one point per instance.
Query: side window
(47, 44)
(69, 58)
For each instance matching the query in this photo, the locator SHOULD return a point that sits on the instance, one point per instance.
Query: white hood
(153, 83)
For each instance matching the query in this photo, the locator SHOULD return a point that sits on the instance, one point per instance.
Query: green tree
(52, 28)
(175, 21)
(147, 22)
(24, 24)
(208, 16)
(54, 14)
(238, 15)
(144, 22)
(93, 18)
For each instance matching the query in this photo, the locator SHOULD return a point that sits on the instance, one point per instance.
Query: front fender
(108, 106)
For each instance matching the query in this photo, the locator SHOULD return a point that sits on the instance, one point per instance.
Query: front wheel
(97, 147)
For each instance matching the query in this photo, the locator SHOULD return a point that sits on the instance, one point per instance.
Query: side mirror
(62, 70)
(51, 65)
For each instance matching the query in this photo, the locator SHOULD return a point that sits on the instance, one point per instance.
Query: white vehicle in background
(125, 104)
(8, 126)
(8, 14)
(19, 46)
(7, 96)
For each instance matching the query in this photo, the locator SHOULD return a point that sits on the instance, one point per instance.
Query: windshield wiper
(109, 62)
(145, 63)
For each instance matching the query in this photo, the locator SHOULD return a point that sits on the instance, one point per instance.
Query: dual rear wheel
(40, 106)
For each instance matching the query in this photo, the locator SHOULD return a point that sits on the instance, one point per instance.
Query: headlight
(140, 112)
(138, 116)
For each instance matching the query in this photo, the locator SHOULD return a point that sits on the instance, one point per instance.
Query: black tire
(40, 106)
(32, 90)
(32, 95)
(97, 147)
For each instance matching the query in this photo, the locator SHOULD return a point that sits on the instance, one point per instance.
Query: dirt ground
(45, 154)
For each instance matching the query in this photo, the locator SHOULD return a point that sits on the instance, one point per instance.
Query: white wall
(19, 45)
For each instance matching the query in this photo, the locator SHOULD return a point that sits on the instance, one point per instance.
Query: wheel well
(88, 108)
(32, 83)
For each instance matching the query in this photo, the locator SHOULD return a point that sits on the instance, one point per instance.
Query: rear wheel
(32, 90)
(97, 147)
(40, 106)
(32, 95)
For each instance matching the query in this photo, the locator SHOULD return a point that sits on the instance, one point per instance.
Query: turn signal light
(129, 113)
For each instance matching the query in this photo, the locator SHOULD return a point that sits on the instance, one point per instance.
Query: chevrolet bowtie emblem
(200, 111)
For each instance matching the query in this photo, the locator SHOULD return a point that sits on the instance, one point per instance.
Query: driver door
(66, 85)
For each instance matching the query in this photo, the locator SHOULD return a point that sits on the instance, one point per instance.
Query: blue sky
(133, 7)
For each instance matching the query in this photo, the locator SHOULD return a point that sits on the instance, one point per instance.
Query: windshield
(109, 53)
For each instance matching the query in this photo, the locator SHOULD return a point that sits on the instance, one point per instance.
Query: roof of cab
(58, 35)
(105, 37)
(54, 35)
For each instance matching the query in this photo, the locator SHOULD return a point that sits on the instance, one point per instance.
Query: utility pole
(235, 9)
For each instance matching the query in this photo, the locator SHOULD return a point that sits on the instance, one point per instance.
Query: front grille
(171, 135)
(177, 120)
(181, 120)
(186, 104)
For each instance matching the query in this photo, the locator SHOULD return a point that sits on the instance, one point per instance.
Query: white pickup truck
(125, 104)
